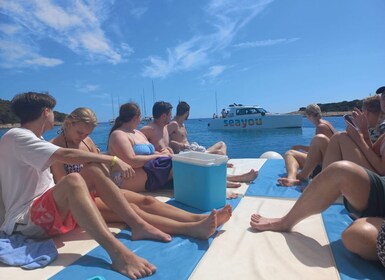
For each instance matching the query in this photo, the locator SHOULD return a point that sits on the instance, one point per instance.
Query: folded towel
(19, 250)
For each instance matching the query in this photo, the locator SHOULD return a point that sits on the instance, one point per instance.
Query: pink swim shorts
(45, 215)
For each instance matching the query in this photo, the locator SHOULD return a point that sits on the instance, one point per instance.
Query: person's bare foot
(206, 227)
(288, 182)
(147, 231)
(229, 165)
(127, 263)
(224, 214)
(268, 224)
(246, 177)
(250, 176)
(230, 184)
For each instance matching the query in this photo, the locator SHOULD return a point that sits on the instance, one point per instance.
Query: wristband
(114, 161)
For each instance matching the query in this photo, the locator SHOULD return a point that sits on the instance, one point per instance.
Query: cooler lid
(199, 158)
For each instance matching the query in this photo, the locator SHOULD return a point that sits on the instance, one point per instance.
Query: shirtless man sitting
(156, 132)
(178, 134)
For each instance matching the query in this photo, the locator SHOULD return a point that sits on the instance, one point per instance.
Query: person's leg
(342, 147)
(361, 237)
(219, 148)
(137, 183)
(201, 229)
(245, 177)
(71, 195)
(151, 205)
(97, 177)
(341, 178)
(294, 160)
(315, 156)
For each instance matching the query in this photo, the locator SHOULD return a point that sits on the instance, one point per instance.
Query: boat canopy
(239, 110)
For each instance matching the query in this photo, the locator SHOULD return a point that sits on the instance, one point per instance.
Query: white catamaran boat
(242, 117)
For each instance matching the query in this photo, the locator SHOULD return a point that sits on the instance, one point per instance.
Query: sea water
(240, 144)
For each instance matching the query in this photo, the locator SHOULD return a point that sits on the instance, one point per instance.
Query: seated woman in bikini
(132, 146)
(74, 134)
(307, 158)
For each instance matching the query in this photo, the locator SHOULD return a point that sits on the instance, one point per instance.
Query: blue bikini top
(144, 149)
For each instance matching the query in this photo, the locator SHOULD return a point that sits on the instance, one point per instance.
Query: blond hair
(81, 115)
(313, 110)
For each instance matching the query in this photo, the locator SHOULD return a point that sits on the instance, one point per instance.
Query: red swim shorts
(45, 215)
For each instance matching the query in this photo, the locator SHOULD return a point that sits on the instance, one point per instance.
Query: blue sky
(279, 54)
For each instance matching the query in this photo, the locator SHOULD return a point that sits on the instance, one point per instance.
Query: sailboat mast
(216, 103)
(113, 109)
(153, 92)
(144, 104)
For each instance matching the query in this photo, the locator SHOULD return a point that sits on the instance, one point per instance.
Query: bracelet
(114, 161)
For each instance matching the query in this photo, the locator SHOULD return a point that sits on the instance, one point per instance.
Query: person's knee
(360, 238)
(342, 167)
(289, 153)
(74, 182)
(94, 170)
(320, 139)
(148, 200)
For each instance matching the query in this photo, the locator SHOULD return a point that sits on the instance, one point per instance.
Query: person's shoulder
(56, 140)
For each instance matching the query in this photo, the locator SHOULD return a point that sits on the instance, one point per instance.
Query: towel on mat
(20, 250)
(158, 172)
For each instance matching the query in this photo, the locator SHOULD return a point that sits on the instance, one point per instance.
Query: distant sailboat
(146, 119)
(112, 121)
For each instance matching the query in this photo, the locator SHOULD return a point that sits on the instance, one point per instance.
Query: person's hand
(354, 133)
(125, 169)
(166, 151)
(360, 120)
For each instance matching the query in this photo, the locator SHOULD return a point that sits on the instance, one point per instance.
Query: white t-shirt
(24, 173)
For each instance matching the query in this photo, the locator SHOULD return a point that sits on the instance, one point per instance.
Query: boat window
(252, 111)
(261, 110)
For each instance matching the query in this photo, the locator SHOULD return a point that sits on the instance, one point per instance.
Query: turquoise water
(241, 144)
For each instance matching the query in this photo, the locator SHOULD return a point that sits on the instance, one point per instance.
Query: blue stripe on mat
(349, 265)
(174, 260)
(266, 182)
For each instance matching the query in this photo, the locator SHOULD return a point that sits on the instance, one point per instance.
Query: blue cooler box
(200, 179)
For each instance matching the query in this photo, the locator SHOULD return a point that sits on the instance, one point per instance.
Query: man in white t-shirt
(31, 204)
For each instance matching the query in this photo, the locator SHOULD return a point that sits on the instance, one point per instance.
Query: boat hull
(255, 122)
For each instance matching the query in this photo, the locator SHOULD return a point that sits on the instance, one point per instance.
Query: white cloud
(265, 43)
(88, 88)
(74, 24)
(24, 55)
(227, 17)
(138, 12)
(44, 61)
(9, 29)
(215, 71)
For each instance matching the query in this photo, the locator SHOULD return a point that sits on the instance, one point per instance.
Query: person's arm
(361, 122)
(375, 160)
(73, 156)
(120, 145)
